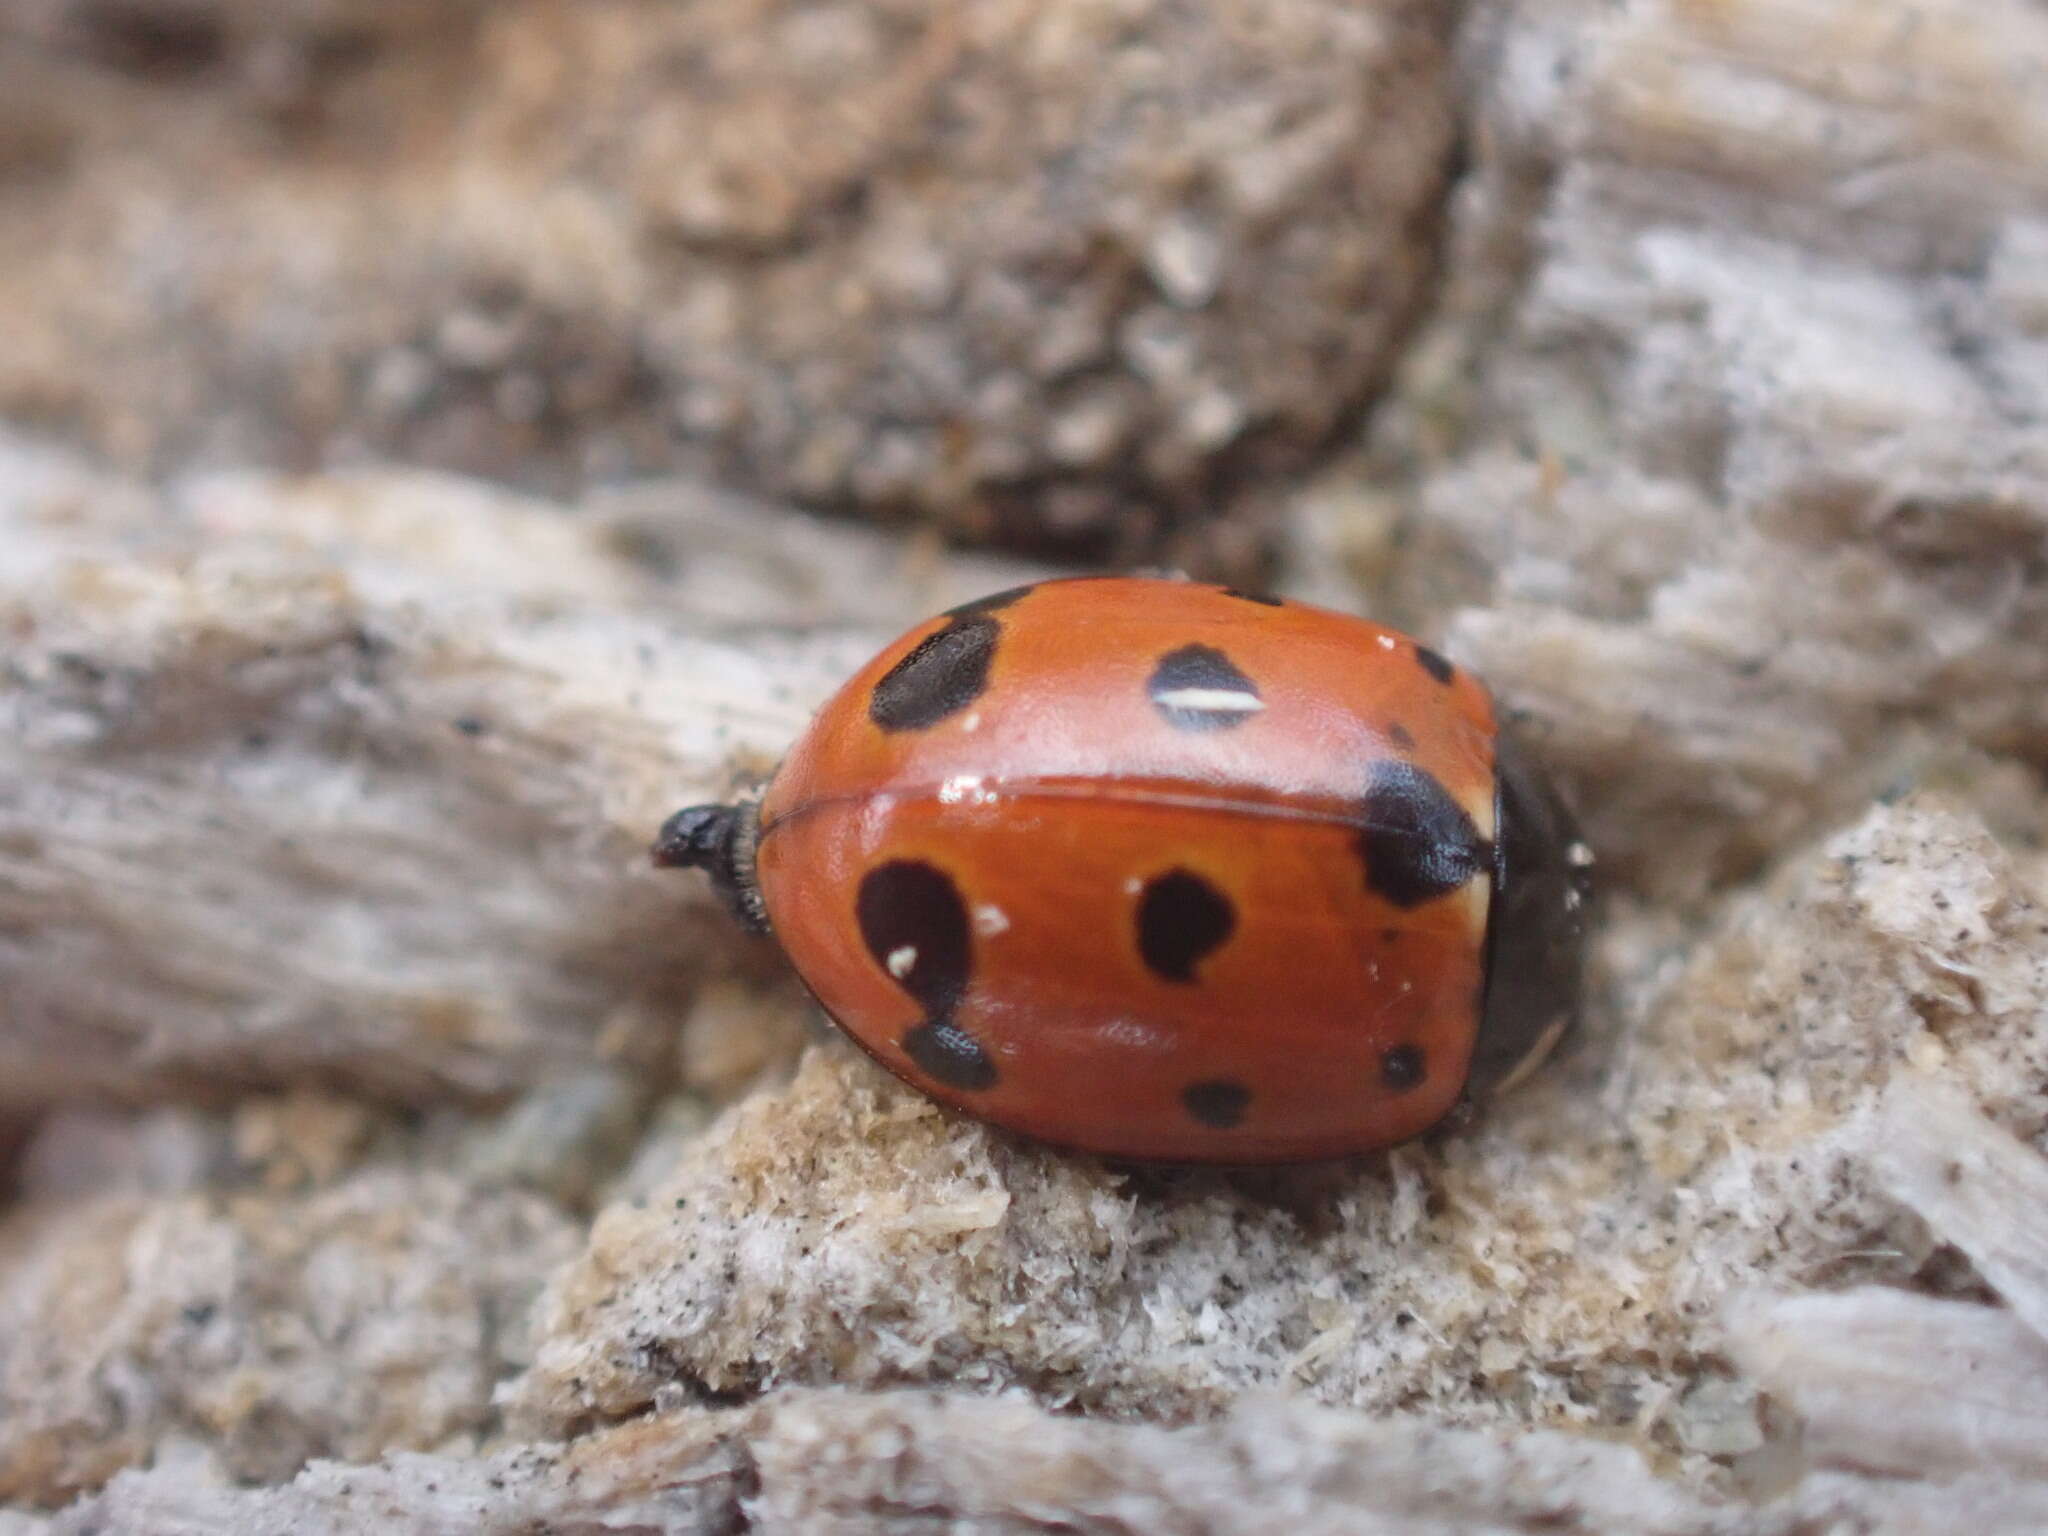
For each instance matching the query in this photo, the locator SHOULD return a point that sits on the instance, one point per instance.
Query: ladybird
(1167, 871)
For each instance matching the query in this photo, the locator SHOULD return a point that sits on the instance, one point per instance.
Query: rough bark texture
(355, 777)
(1723, 452)
(1563, 1262)
(389, 1148)
(1062, 273)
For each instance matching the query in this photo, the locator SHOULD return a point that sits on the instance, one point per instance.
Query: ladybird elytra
(1167, 871)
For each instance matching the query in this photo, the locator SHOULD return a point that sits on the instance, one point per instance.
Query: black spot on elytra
(1436, 665)
(915, 925)
(1416, 841)
(1263, 599)
(944, 673)
(1220, 1102)
(1401, 736)
(1402, 1068)
(992, 602)
(947, 1053)
(1198, 666)
(1182, 920)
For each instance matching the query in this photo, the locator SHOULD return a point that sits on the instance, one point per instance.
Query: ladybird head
(1536, 924)
(718, 839)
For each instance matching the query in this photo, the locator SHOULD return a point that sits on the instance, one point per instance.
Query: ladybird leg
(718, 839)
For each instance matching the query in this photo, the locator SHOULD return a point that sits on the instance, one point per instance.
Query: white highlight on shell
(965, 788)
(1387, 642)
(1133, 885)
(1136, 1035)
(971, 722)
(1579, 856)
(901, 960)
(1214, 701)
(990, 921)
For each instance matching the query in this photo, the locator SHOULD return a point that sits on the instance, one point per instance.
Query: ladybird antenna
(718, 839)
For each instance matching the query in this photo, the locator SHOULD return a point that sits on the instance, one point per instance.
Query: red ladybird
(1167, 871)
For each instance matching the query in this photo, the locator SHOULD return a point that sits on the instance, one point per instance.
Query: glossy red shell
(1149, 868)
